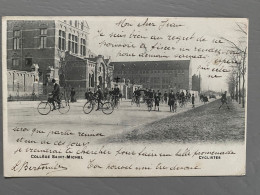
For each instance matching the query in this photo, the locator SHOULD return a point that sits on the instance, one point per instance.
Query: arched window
(89, 80)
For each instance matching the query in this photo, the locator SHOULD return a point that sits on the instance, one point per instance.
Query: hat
(98, 86)
(53, 80)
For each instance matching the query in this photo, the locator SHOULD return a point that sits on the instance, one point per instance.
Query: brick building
(85, 73)
(60, 49)
(158, 75)
(44, 42)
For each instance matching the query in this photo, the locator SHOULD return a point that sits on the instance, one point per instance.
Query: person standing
(157, 99)
(171, 100)
(138, 96)
(193, 101)
(72, 95)
(99, 96)
(165, 96)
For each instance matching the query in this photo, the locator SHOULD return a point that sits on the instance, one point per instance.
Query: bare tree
(239, 55)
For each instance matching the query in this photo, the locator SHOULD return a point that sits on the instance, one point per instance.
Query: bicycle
(182, 102)
(45, 107)
(106, 107)
(115, 101)
(133, 100)
(149, 102)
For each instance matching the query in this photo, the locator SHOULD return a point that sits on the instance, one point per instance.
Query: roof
(155, 65)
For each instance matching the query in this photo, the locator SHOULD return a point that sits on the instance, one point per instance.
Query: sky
(168, 38)
(171, 37)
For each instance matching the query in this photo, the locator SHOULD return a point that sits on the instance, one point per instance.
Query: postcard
(124, 96)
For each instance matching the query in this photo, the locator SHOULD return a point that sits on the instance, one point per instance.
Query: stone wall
(22, 83)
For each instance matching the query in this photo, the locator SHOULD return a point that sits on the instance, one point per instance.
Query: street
(24, 114)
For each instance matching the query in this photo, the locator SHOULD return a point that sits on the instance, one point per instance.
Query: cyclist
(55, 94)
(116, 93)
(224, 100)
(138, 95)
(99, 95)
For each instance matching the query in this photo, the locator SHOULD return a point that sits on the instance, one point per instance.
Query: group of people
(113, 95)
(150, 96)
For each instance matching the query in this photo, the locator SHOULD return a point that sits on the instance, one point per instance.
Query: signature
(26, 166)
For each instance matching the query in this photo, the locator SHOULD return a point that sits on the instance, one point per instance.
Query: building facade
(44, 42)
(158, 75)
(196, 81)
(86, 73)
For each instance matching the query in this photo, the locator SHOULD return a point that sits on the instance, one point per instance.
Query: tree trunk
(243, 85)
(236, 88)
(239, 87)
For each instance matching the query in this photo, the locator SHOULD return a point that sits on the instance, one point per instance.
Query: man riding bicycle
(99, 96)
(138, 95)
(115, 93)
(55, 94)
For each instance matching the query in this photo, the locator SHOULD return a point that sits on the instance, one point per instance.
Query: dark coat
(56, 90)
(99, 94)
(171, 99)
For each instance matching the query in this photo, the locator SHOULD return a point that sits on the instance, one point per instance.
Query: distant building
(196, 83)
(158, 75)
(86, 72)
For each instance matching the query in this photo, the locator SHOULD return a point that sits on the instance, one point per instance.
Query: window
(16, 33)
(73, 43)
(69, 43)
(62, 40)
(44, 31)
(76, 23)
(16, 39)
(15, 62)
(76, 44)
(70, 22)
(82, 26)
(83, 47)
(43, 42)
(43, 37)
(28, 62)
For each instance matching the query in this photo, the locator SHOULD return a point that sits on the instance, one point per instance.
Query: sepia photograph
(124, 96)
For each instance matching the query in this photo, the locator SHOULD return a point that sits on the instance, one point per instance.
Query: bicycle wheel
(107, 108)
(44, 108)
(64, 107)
(88, 107)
